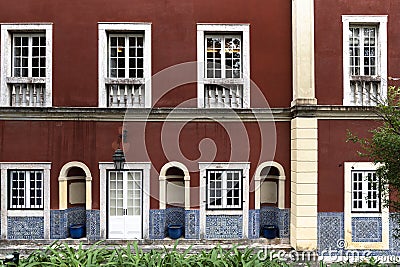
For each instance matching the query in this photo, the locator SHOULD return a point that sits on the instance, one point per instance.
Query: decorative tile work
(92, 224)
(192, 224)
(224, 226)
(254, 224)
(157, 224)
(284, 223)
(57, 222)
(330, 230)
(174, 216)
(25, 227)
(268, 215)
(366, 229)
(76, 215)
(61, 220)
(394, 229)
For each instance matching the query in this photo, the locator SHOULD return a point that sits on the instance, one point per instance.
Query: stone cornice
(186, 114)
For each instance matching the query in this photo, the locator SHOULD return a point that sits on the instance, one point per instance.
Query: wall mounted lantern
(119, 157)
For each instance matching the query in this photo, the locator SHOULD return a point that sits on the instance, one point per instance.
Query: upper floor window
(224, 66)
(26, 52)
(365, 192)
(125, 65)
(364, 59)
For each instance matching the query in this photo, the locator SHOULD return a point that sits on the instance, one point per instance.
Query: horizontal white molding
(187, 114)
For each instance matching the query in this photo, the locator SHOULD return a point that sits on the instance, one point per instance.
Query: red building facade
(223, 109)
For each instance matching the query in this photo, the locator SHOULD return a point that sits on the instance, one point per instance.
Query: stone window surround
(348, 214)
(202, 30)
(108, 27)
(163, 183)
(45, 166)
(145, 167)
(245, 166)
(6, 66)
(381, 22)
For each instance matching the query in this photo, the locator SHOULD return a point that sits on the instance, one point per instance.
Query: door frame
(145, 168)
(124, 171)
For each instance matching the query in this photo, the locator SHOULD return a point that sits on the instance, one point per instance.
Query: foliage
(383, 148)
(98, 254)
(61, 254)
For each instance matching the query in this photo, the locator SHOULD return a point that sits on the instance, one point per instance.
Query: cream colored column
(304, 131)
(303, 52)
(304, 183)
(62, 195)
(88, 193)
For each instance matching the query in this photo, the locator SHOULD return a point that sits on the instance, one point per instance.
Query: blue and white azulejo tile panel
(224, 226)
(25, 227)
(366, 229)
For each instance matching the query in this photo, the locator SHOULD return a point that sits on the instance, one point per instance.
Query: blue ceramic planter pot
(77, 230)
(270, 231)
(175, 231)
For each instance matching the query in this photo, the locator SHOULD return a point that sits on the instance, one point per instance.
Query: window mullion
(223, 187)
(27, 189)
(30, 58)
(362, 55)
(223, 62)
(126, 56)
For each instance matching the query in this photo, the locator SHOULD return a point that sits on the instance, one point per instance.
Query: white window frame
(349, 168)
(204, 29)
(7, 31)
(224, 190)
(27, 189)
(364, 198)
(380, 21)
(45, 212)
(104, 29)
(244, 211)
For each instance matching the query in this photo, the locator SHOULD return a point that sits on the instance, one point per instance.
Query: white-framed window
(125, 65)
(25, 189)
(224, 189)
(361, 202)
(26, 68)
(223, 55)
(365, 192)
(364, 59)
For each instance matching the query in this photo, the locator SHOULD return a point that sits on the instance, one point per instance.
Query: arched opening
(75, 194)
(76, 188)
(269, 192)
(175, 191)
(174, 178)
(270, 197)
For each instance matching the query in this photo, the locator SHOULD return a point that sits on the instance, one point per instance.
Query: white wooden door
(125, 204)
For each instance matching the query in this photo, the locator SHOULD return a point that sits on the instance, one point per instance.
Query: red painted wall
(60, 142)
(329, 47)
(333, 151)
(174, 40)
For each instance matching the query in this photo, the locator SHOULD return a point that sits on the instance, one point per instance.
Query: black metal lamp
(119, 156)
(119, 159)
